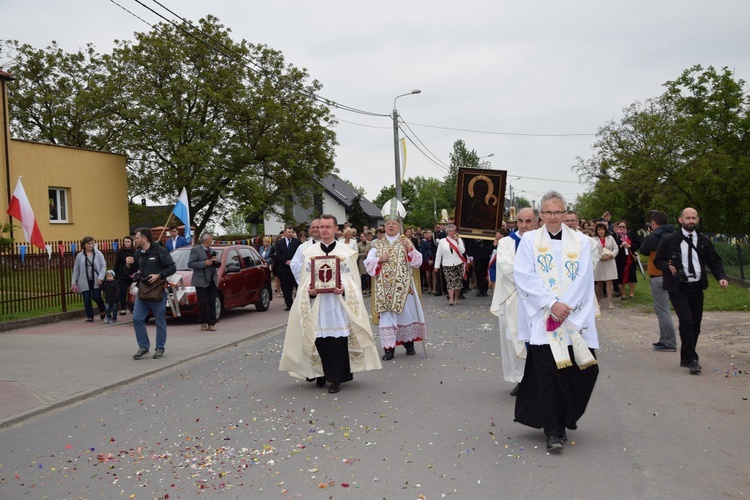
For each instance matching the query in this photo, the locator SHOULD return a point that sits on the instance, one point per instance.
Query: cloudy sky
(528, 82)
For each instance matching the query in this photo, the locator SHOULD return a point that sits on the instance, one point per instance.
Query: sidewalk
(43, 367)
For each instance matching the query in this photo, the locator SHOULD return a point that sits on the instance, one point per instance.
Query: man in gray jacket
(204, 263)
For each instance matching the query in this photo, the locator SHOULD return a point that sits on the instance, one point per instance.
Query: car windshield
(182, 255)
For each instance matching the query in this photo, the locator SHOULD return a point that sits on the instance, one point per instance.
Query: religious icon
(480, 202)
(326, 273)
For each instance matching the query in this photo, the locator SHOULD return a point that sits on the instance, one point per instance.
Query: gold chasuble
(393, 283)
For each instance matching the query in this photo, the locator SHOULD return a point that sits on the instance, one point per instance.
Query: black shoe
(158, 352)
(461, 296)
(656, 344)
(320, 381)
(102, 316)
(89, 320)
(514, 392)
(554, 444)
(479, 293)
(334, 388)
(287, 308)
(564, 437)
(410, 348)
(389, 353)
(694, 367)
(141, 352)
(664, 348)
(684, 364)
(438, 294)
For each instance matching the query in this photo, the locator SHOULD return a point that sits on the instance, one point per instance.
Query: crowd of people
(548, 272)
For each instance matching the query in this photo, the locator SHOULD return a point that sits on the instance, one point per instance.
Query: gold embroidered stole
(547, 268)
(392, 284)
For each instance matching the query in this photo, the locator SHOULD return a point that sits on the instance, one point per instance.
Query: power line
(423, 144)
(501, 133)
(230, 51)
(423, 153)
(360, 124)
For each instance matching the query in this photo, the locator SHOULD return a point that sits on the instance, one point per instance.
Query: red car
(244, 278)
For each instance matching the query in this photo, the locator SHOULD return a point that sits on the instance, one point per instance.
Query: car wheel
(219, 306)
(265, 299)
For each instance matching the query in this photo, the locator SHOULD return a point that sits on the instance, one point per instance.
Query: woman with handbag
(88, 273)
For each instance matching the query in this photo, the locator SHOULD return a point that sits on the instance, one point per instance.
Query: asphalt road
(229, 423)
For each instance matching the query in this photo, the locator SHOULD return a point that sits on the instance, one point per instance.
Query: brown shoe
(211, 328)
(204, 327)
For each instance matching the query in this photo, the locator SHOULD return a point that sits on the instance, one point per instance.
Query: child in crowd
(111, 292)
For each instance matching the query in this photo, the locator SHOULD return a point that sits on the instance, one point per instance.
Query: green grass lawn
(731, 298)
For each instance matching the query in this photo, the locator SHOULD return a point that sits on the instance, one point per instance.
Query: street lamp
(395, 142)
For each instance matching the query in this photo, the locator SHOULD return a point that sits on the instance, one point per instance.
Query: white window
(58, 205)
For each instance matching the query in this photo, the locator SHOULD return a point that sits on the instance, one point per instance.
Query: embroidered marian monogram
(572, 269)
(545, 260)
(561, 334)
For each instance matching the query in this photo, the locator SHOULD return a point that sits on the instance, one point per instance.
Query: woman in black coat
(121, 275)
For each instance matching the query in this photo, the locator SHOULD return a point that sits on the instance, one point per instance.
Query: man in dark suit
(682, 256)
(204, 263)
(176, 241)
(285, 248)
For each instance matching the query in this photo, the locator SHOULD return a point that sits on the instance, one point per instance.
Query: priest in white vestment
(328, 335)
(505, 301)
(555, 284)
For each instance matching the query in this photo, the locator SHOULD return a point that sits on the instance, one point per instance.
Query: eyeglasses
(556, 214)
(622, 227)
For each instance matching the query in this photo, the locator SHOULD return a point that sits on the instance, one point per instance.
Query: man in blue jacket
(176, 241)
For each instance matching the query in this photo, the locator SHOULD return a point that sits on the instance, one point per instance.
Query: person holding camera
(682, 257)
(659, 229)
(204, 263)
(150, 265)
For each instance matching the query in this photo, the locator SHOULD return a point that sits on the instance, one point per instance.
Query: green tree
(688, 147)
(50, 99)
(231, 122)
(204, 119)
(407, 195)
(428, 202)
(357, 217)
(235, 224)
(522, 202)
(460, 157)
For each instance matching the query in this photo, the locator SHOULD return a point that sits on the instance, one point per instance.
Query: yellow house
(74, 192)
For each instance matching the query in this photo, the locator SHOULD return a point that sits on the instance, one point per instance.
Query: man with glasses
(682, 256)
(555, 282)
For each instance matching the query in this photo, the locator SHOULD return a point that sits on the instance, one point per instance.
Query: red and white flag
(20, 208)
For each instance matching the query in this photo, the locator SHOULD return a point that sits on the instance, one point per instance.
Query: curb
(6, 326)
(83, 396)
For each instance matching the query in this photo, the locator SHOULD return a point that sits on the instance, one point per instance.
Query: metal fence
(32, 279)
(35, 280)
(734, 250)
